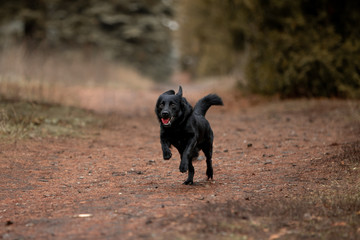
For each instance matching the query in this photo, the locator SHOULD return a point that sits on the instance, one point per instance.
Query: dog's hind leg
(186, 156)
(208, 154)
(191, 172)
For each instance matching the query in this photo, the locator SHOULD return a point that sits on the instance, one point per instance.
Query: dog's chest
(178, 137)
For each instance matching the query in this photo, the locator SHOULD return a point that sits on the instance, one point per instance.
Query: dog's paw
(183, 167)
(209, 173)
(188, 182)
(167, 155)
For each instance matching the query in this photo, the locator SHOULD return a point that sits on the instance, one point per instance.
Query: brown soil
(112, 183)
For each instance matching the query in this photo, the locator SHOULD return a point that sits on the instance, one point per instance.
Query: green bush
(297, 50)
(205, 41)
(294, 48)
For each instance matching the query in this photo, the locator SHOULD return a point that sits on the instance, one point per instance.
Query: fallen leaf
(339, 224)
(281, 233)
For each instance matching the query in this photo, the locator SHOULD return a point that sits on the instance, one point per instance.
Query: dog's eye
(172, 105)
(161, 105)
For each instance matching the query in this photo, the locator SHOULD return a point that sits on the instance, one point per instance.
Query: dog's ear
(179, 92)
(170, 92)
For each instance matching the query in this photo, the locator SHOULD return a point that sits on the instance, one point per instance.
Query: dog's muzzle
(166, 119)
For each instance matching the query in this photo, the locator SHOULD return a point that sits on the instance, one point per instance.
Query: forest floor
(282, 170)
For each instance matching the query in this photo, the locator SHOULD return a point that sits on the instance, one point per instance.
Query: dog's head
(171, 108)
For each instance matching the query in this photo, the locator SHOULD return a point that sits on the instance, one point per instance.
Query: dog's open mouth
(166, 121)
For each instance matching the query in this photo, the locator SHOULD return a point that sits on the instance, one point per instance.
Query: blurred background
(284, 48)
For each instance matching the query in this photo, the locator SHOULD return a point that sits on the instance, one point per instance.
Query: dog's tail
(206, 102)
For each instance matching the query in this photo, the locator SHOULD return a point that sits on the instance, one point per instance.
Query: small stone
(9, 222)
(118, 174)
(268, 161)
(307, 216)
(84, 215)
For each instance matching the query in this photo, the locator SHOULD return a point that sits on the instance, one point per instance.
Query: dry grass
(22, 119)
(351, 153)
(47, 76)
(38, 87)
(332, 212)
(334, 215)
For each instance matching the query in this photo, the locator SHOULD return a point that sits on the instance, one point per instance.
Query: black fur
(186, 129)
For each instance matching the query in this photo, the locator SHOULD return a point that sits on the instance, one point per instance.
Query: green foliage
(205, 39)
(298, 52)
(294, 48)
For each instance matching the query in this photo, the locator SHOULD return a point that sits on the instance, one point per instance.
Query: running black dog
(186, 129)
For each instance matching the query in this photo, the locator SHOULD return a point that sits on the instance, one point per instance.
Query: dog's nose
(165, 114)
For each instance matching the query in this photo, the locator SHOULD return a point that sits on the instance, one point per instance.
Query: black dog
(186, 129)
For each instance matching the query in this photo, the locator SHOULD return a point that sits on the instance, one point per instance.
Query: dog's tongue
(165, 121)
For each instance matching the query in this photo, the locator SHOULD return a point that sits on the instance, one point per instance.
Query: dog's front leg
(186, 156)
(165, 146)
(190, 179)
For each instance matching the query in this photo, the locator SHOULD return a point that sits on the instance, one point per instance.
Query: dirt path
(113, 184)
